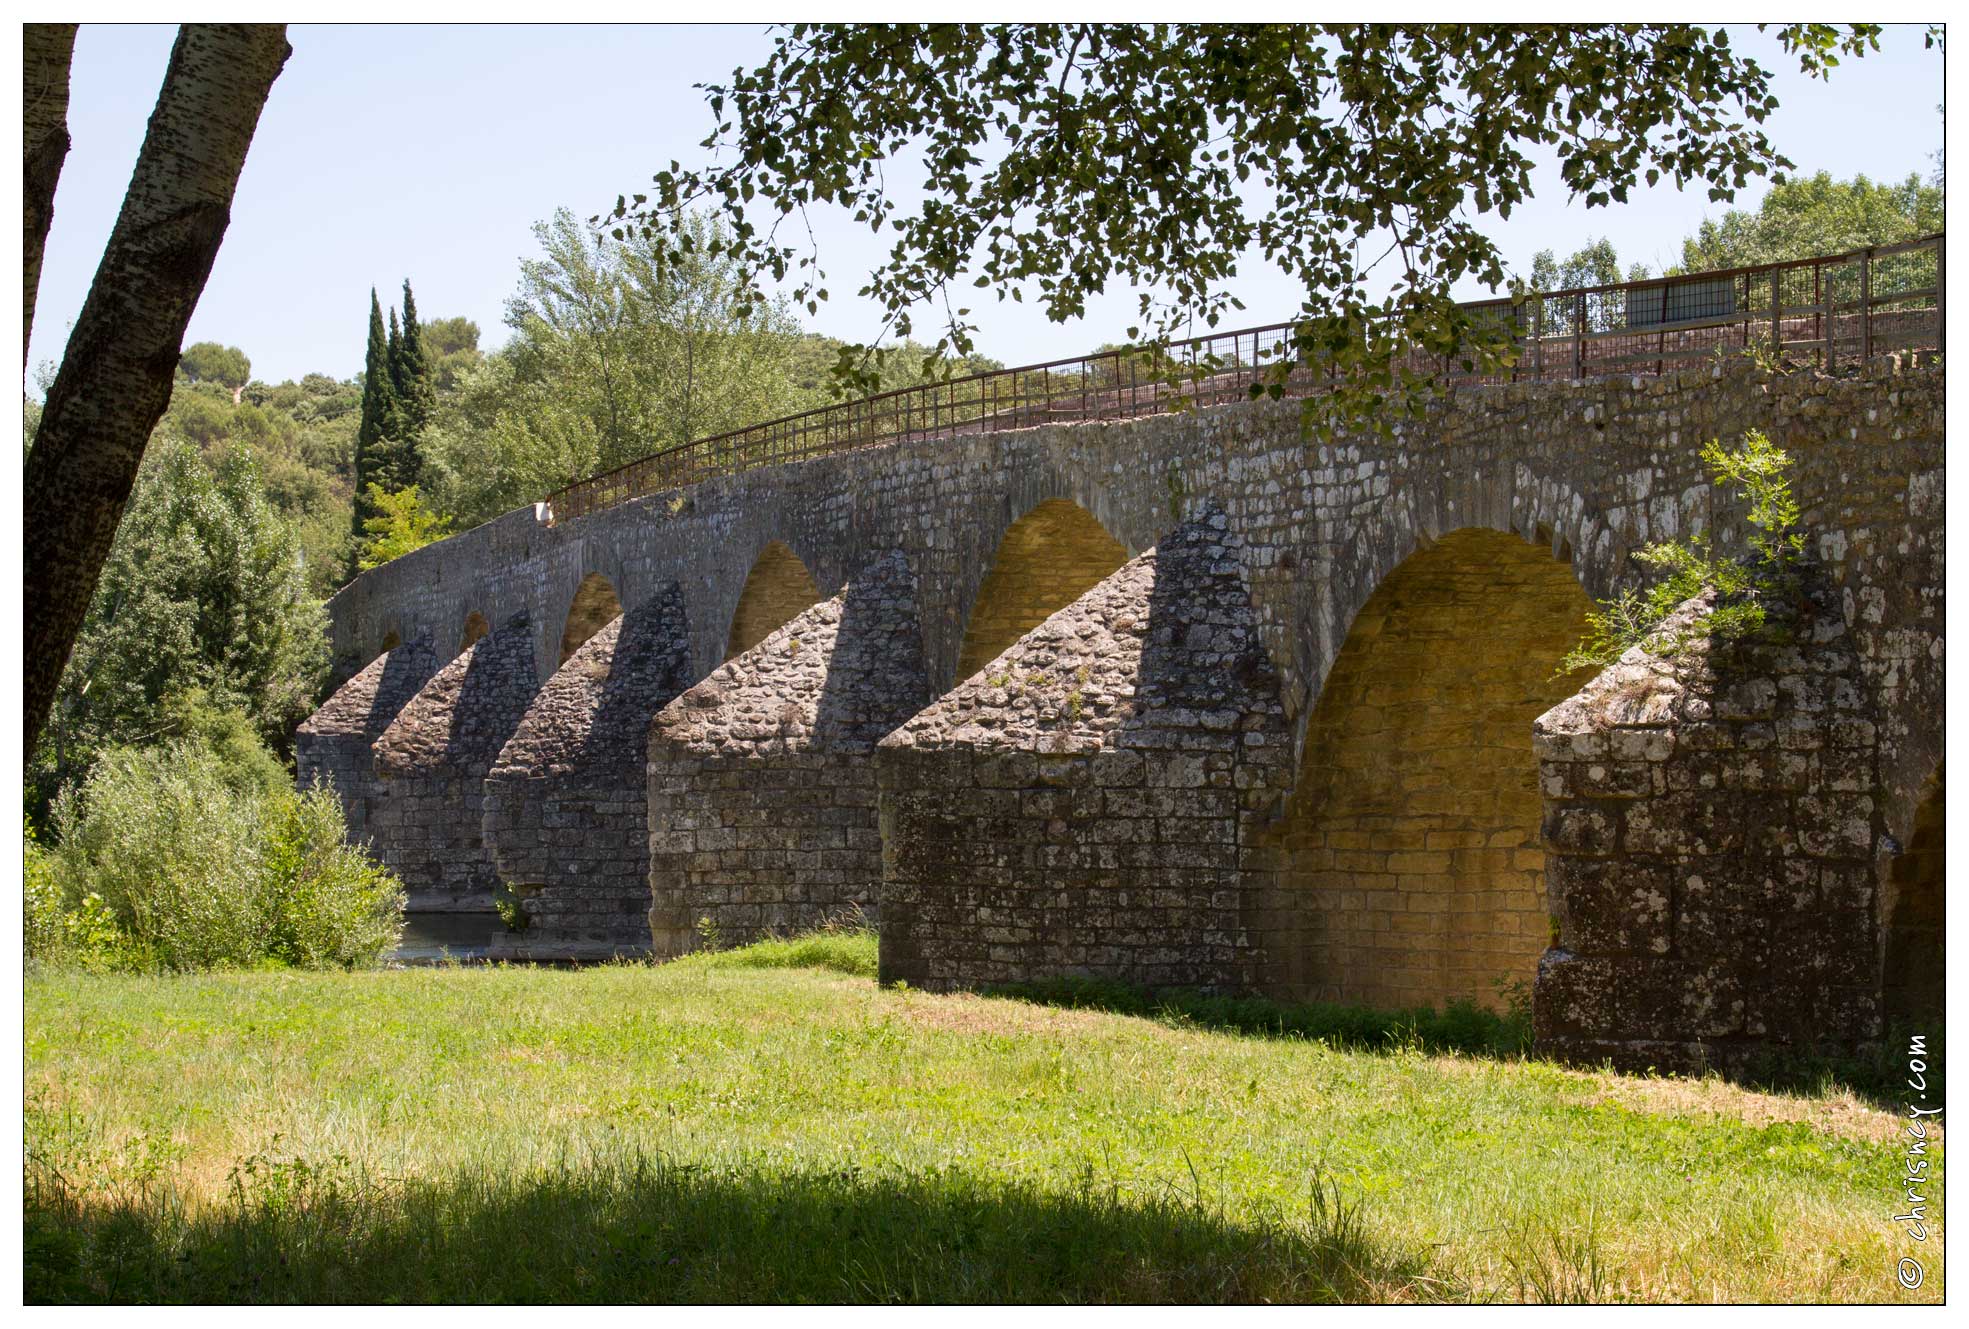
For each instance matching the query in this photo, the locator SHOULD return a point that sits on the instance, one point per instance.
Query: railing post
(1777, 327)
(1941, 291)
(1579, 335)
(1818, 311)
(1866, 305)
(1538, 337)
(1661, 333)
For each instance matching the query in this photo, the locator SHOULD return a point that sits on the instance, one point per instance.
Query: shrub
(169, 859)
(1745, 587)
(229, 734)
(330, 903)
(42, 913)
(170, 847)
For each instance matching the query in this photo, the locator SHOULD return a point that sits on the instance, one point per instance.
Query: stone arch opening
(1413, 866)
(475, 627)
(1912, 985)
(778, 588)
(595, 607)
(390, 642)
(1045, 561)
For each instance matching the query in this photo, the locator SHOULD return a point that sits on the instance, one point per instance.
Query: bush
(42, 914)
(330, 904)
(169, 860)
(1765, 577)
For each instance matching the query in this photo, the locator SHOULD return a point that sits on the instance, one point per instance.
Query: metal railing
(1824, 313)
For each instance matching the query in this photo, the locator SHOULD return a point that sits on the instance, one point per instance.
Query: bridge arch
(391, 640)
(475, 627)
(1045, 561)
(1412, 858)
(778, 588)
(594, 607)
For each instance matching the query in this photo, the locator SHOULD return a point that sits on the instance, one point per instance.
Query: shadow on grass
(641, 1231)
(1461, 1027)
(1876, 1074)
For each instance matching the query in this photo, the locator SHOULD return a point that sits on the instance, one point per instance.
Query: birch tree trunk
(45, 52)
(115, 377)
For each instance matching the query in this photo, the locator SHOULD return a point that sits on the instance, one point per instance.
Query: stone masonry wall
(778, 587)
(1712, 836)
(432, 762)
(762, 779)
(332, 745)
(566, 812)
(1089, 803)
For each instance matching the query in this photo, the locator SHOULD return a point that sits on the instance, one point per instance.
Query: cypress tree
(390, 473)
(378, 408)
(414, 392)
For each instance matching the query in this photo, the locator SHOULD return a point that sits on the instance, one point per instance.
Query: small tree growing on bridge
(1746, 588)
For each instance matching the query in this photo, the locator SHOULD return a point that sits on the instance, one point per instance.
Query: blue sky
(429, 152)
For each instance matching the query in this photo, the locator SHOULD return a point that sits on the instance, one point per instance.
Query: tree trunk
(45, 52)
(115, 377)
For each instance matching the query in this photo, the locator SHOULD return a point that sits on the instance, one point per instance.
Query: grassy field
(771, 1126)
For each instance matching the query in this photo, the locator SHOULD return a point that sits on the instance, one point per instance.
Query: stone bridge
(1190, 700)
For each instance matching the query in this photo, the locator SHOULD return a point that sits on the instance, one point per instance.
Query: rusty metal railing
(1819, 312)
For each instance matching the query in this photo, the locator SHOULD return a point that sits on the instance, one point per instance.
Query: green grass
(768, 1125)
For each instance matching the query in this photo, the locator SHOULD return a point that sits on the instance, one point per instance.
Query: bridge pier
(761, 778)
(332, 746)
(1089, 804)
(566, 810)
(432, 762)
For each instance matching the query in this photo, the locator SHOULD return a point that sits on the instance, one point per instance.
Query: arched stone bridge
(1190, 700)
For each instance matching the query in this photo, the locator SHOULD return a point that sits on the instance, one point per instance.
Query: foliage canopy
(1066, 156)
(204, 592)
(1813, 215)
(209, 362)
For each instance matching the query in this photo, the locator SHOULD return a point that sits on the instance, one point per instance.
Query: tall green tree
(1595, 263)
(204, 590)
(378, 411)
(612, 357)
(451, 346)
(210, 362)
(393, 422)
(411, 373)
(1815, 215)
(1052, 159)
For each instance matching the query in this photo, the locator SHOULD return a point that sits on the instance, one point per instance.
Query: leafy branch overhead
(1359, 159)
